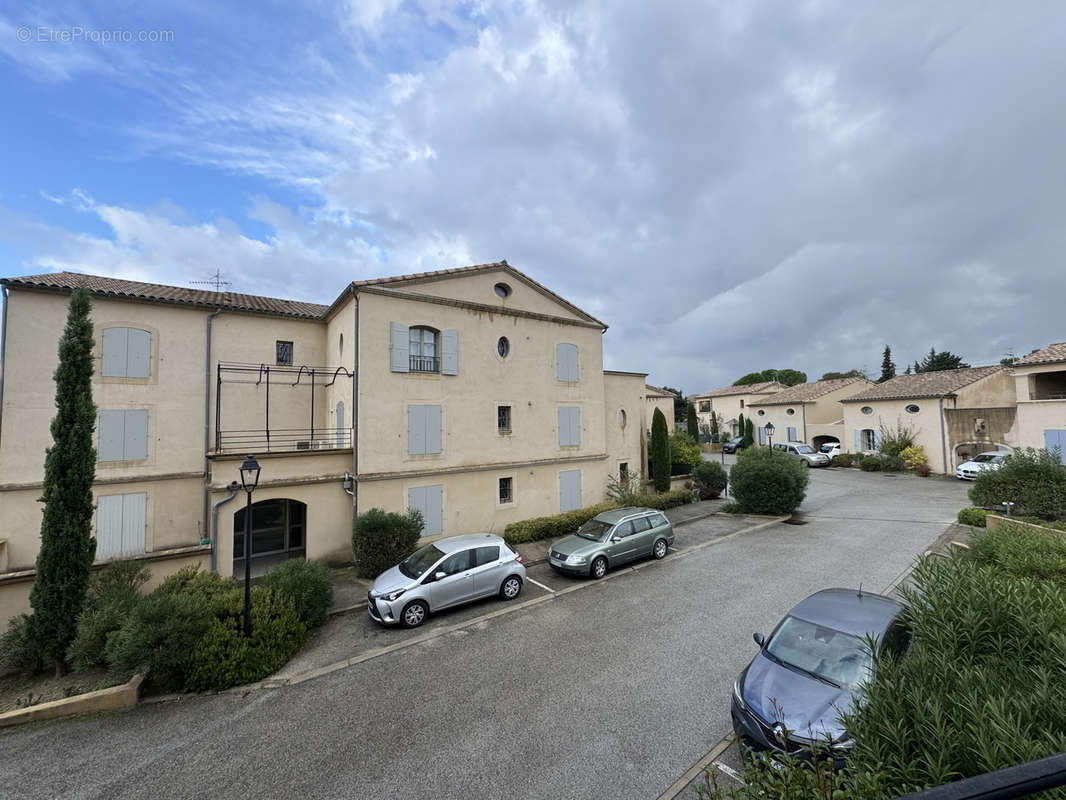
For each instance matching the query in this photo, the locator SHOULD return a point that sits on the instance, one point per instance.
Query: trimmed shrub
(892, 464)
(19, 649)
(1034, 480)
(225, 657)
(923, 470)
(684, 450)
(381, 539)
(731, 508)
(665, 500)
(973, 516)
(162, 632)
(711, 479)
(307, 585)
(203, 585)
(870, 464)
(113, 593)
(767, 481)
(659, 451)
(914, 456)
(529, 530)
(842, 460)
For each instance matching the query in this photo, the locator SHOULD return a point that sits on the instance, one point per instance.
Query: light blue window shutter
(792, 434)
(569, 490)
(114, 357)
(108, 526)
(434, 440)
(569, 426)
(762, 434)
(434, 513)
(877, 441)
(416, 501)
(111, 437)
(416, 430)
(575, 426)
(138, 353)
(398, 348)
(135, 435)
(449, 352)
(858, 441)
(133, 518)
(566, 367)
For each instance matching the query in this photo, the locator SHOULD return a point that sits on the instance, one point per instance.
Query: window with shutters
(424, 435)
(120, 525)
(126, 353)
(569, 426)
(423, 349)
(122, 435)
(566, 362)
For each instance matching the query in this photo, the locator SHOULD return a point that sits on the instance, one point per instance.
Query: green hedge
(382, 539)
(768, 481)
(1034, 480)
(842, 460)
(870, 464)
(307, 585)
(973, 516)
(529, 530)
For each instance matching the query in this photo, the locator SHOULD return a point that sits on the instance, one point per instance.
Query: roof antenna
(860, 590)
(214, 280)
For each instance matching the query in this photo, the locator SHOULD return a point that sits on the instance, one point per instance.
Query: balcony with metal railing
(424, 364)
(283, 440)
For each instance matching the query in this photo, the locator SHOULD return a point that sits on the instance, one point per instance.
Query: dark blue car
(810, 670)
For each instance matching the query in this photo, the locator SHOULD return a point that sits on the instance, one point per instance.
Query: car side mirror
(616, 538)
(439, 575)
(759, 639)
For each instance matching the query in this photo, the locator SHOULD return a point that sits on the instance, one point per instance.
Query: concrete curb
(110, 699)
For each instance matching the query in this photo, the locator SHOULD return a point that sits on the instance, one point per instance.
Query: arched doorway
(278, 534)
(818, 441)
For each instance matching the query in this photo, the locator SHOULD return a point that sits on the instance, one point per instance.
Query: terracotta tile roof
(1052, 354)
(653, 391)
(160, 293)
(806, 392)
(754, 388)
(924, 384)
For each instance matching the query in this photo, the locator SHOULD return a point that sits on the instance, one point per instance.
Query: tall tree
(834, 376)
(660, 452)
(749, 432)
(67, 545)
(888, 367)
(740, 425)
(692, 423)
(679, 404)
(787, 377)
(714, 426)
(937, 362)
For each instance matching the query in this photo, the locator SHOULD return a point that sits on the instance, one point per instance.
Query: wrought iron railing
(424, 364)
(284, 440)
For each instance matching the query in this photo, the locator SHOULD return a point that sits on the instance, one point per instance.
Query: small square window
(284, 353)
(503, 419)
(505, 490)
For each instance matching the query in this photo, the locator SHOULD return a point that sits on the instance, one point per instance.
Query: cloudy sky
(730, 186)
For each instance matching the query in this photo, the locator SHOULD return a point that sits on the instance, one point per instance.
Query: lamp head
(250, 473)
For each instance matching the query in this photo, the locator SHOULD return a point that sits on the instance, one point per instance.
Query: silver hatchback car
(445, 573)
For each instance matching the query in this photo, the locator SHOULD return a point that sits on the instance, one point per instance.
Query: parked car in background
(830, 449)
(809, 671)
(733, 445)
(445, 573)
(982, 462)
(804, 453)
(612, 538)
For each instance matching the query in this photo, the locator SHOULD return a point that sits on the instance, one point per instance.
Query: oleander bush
(870, 464)
(113, 593)
(1022, 551)
(307, 585)
(1034, 480)
(973, 516)
(766, 481)
(19, 649)
(382, 539)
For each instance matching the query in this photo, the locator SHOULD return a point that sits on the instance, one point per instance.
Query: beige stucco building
(1040, 393)
(475, 395)
(806, 412)
(954, 414)
(728, 403)
(656, 398)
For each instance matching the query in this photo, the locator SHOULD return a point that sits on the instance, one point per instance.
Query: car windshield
(415, 565)
(825, 448)
(594, 530)
(986, 458)
(840, 658)
(803, 449)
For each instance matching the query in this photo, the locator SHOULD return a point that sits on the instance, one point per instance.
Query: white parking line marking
(728, 770)
(541, 585)
(672, 548)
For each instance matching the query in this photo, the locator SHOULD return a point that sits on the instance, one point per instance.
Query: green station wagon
(612, 538)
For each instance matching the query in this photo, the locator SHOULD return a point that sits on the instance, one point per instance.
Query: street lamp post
(249, 480)
(770, 434)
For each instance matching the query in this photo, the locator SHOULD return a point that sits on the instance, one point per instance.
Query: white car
(980, 463)
(830, 449)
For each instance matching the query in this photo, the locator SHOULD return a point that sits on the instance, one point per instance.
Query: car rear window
(657, 519)
(486, 555)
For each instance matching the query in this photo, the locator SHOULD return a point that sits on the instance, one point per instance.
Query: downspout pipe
(943, 438)
(233, 487)
(803, 410)
(207, 434)
(354, 491)
(3, 346)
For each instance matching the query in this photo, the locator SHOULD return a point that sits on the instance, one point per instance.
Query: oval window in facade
(791, 411)
(866, 410)
(912, 409)
(761, 412)
(622, 417)
(502, 290)
(503, 347)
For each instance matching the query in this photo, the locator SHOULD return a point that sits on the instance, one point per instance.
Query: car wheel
(510, 588)
(598, 568)
(806, 463)
(659, 548)
(414, 614)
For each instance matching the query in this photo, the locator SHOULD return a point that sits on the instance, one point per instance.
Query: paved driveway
(611, 691)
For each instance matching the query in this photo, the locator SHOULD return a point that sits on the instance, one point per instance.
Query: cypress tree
(714, 426)
(692, 423)
(660, 452)
(740, 425)
(888, 367)
(749, 432)
(67, 545)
